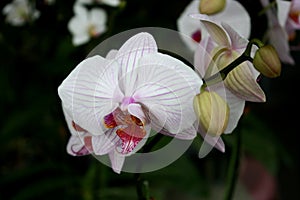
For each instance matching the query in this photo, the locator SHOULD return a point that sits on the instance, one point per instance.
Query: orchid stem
(142, 187)
(246, 56)
(233, 167)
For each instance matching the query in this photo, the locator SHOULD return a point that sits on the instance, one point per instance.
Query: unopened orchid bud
(212, 112)
(267, 62)
(211, 7)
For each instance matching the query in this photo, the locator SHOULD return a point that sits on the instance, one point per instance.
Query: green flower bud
(212, 112)
(267, 62)
(211, 7)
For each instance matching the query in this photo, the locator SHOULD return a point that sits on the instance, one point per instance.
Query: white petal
(117, 161)
(105, 143)
(111, 54)
(188, 26)
(129, 54)
(237, 41)
(187, 134)
(76, 146)
(209, 143)
(214, 29)
(202, 56)
(166, 86)
(283, 11)
(98, 16)
(136, 110)
(237, 17)
(113, 3)
(90, 92)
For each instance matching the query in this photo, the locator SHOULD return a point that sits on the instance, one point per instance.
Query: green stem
(246, 56)
(142, 188)
(233, 167)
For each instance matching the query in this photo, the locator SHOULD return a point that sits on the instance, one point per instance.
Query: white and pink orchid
(233, 14)
(276, 34)
(86, 24)
(224, 45)
(112, 103)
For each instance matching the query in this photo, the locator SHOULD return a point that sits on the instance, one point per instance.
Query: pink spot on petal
(109, 121)
(197, 36)
(77, 127)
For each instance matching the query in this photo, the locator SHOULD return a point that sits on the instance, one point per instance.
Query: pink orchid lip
(131, 130)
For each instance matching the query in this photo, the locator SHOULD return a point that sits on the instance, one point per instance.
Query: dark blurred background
(36, 57)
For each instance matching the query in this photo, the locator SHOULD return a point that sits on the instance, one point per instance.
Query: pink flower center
(131, 130)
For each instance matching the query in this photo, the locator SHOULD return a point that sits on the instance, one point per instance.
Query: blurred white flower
(86, 24)
(113, 3)
(18, 12)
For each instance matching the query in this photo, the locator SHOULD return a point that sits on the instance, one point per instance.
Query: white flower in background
(276, 33)
(113, 3)
(234, 14)
(20, 12)
(112, 103)
(49, 2)
(86, 24)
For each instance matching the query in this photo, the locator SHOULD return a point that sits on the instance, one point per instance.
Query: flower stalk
(233, 168)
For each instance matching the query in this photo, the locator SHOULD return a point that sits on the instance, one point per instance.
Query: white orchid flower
(224, 45)
(19, 12)
(86, 24)
(112, 103)
(233, 14)
(276, 34)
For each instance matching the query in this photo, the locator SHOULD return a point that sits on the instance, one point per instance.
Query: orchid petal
(111, 54)
(279, 39)
(98, 16)
(105, 143)
(117, 161)
(129, 54)
(113, 3)
(283, 11)
(209, 143)
(242, 83)
(217, 33)
(236, 105)
(237, 42)
(202, 57)
(137, 111)
(188, 26)
(187, 134)
(90, 92)
(168, 83)
(241, 24)
(76, 146)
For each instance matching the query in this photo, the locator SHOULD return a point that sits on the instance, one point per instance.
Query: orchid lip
(131, 130)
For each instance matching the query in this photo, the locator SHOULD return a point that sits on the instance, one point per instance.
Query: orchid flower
(112, 103)
(86, 24)
(19, 12)
(113, 3)
(276, 34)
(293, 21)
(224, 45)
(233, 14)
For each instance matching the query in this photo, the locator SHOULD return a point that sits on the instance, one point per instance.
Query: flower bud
(212, 112)
(211, 7)
(267, 62)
